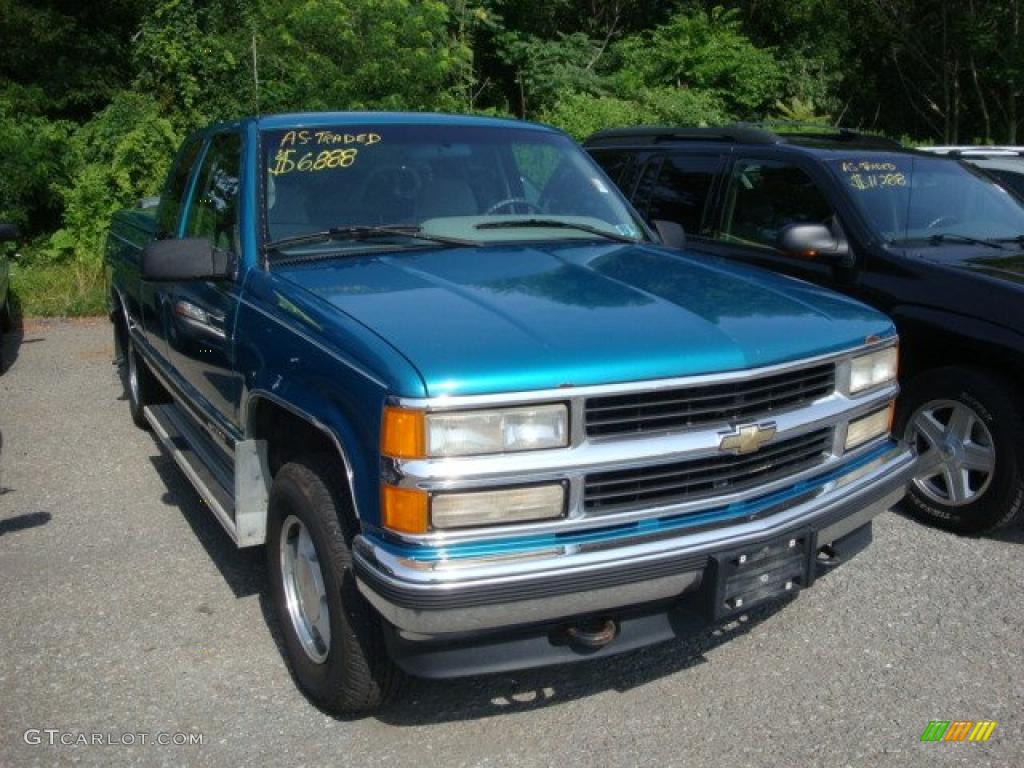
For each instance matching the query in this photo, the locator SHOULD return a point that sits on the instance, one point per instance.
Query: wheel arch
(932, 339)
(264, 412)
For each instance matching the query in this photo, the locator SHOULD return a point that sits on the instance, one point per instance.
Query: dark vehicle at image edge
(478, 417)
(8, 233)
(935, 244)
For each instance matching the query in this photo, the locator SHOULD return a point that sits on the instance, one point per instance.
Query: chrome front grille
(691, 407)
(700, 478)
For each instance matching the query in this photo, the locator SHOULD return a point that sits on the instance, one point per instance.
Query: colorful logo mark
(958, 730)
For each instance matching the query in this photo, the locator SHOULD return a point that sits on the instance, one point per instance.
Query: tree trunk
(986, 119)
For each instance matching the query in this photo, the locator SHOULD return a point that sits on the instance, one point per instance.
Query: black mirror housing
(671, 233)
(815, 242)
(9, 232)
(188, 258)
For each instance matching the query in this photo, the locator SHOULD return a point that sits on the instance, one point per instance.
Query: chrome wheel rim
(133, 375)
(956, 450)
(305, 592)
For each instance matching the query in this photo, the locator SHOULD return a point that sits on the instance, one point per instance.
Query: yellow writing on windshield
(864, 181)
(291, 157)
(293, 138)
(285, 161)
(872, 174)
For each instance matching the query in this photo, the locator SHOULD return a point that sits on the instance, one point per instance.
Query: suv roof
(809, 137)
(968, 151)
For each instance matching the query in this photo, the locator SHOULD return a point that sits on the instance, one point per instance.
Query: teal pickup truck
(479, 417)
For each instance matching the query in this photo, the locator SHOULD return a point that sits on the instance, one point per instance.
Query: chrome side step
(219, 483)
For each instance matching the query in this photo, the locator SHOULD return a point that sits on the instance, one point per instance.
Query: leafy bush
(117, 157)
(580, 114)
(31, 163)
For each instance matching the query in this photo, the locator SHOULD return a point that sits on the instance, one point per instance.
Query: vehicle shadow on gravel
(429, 702)
(10, 344)
(241, 569)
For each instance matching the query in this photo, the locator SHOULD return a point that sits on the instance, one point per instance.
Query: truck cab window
(765, 196)
(681, 191)
(213, 212)
(174, 193)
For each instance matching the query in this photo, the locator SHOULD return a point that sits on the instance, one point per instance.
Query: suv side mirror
(9, 232)
(190, 258)
(671, 233)
(815, 242)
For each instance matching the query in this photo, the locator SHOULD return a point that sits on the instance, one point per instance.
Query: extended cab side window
(764, 197)
(213, 212)
(681, 190)
(173, 197)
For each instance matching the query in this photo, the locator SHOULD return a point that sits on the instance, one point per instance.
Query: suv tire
(966, 425)
(334, 642)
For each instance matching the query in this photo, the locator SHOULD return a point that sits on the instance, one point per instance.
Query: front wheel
(333, 638)
(966, 426)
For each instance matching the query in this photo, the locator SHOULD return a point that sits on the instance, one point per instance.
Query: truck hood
(513, 317)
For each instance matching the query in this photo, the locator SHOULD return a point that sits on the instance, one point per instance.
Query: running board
(237, 495)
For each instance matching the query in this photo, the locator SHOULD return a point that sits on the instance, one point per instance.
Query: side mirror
(190, 258)
(671, 233)
(9, 232)
(815, 242)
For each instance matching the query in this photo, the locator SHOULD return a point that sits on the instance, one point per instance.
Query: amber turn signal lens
(404, 509)
(402, 433)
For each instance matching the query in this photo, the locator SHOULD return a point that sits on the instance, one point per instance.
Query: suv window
(681, 191)
(767, 195)
(174, 195)
(213, 213)
(613, 162)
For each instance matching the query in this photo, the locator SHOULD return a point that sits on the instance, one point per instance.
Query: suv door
(202, 312)
(150, 309)
(762, 196)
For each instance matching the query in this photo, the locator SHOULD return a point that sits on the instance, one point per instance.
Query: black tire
(140, 385)
(999, 498)
(357, 675)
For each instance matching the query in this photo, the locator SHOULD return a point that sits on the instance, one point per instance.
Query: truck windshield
(434, 182)
(907, 198)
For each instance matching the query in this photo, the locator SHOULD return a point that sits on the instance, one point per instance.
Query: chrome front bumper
(475, 594)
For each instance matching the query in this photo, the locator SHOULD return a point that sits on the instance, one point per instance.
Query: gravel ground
(124, 609)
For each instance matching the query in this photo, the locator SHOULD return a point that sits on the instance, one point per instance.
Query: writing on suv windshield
(432, 184)
(907, 198)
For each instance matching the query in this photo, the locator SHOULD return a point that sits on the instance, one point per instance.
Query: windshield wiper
(952, 237)
(556, 224)
(364, 232)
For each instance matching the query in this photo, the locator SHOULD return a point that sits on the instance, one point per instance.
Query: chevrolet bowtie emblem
(747, 439)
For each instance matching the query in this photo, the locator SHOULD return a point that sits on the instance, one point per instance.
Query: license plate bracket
(747, 576)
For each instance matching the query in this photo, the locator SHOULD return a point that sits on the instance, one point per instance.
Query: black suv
(936, 244)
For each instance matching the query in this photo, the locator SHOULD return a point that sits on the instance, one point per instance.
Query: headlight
(414, 434)
(410, 510)
(512, 505)
(868, 427)
(873, 370)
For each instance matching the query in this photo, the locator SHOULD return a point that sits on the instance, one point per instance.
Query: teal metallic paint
(514, 317)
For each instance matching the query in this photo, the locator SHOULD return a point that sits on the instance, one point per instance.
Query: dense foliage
(93, 96)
